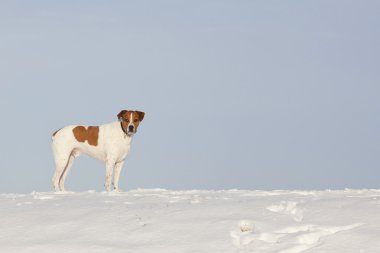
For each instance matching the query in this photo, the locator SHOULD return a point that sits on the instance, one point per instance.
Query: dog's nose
(130, 128)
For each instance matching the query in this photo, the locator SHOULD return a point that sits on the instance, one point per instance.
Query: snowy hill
(157, 220)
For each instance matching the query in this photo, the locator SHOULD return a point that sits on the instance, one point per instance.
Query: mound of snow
(158, 220)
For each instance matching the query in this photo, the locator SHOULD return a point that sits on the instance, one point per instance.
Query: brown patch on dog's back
(91, 134)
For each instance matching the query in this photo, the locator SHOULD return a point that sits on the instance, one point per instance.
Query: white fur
(113, 147)
(130, 121)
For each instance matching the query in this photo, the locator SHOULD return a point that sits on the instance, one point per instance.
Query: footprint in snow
(24, 203)
(293, 239)
(196, 199)
(288, 208)
(42, 197)
(308, 236)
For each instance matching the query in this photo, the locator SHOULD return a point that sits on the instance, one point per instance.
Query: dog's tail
(53, 135)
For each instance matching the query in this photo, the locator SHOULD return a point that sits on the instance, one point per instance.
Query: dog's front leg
(110, 164)
(116, 175)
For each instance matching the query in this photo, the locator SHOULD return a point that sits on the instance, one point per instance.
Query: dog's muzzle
(131, 129)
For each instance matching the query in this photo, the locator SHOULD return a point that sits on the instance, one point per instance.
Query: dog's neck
(122, 128)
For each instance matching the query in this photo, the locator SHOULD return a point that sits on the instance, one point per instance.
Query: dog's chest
(120, 149)
(115, 143)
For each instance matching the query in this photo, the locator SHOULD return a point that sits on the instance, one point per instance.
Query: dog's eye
(136, 120)
(127, 120)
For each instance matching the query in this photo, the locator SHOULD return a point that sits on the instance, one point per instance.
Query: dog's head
(130, 120)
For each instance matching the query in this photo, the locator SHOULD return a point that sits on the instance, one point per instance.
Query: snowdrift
(157, 220)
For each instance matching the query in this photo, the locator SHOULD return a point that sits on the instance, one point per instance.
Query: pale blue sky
(237, 94)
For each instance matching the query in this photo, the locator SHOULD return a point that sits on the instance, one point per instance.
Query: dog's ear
(120, 115)
(141, 115)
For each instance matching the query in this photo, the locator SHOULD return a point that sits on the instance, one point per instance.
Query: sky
(237, 94)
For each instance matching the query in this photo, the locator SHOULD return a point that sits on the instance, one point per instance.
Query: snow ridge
(159, 220)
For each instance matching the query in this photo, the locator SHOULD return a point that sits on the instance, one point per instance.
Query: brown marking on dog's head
(130, 120)
(121, 114)
(140, 115)
(91, 134)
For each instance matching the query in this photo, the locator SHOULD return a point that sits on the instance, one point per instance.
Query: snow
(158, 220)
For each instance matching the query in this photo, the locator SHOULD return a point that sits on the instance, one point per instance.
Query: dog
(109, 143)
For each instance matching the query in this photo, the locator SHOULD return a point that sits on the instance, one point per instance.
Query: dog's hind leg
(60, 165)
(66, 171)
(61, 157)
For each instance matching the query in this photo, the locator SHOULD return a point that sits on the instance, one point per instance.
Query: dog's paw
(117, 189)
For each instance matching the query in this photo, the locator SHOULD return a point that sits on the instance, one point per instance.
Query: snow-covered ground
(156, 220)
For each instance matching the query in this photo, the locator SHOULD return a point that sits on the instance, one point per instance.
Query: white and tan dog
(109, 143)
